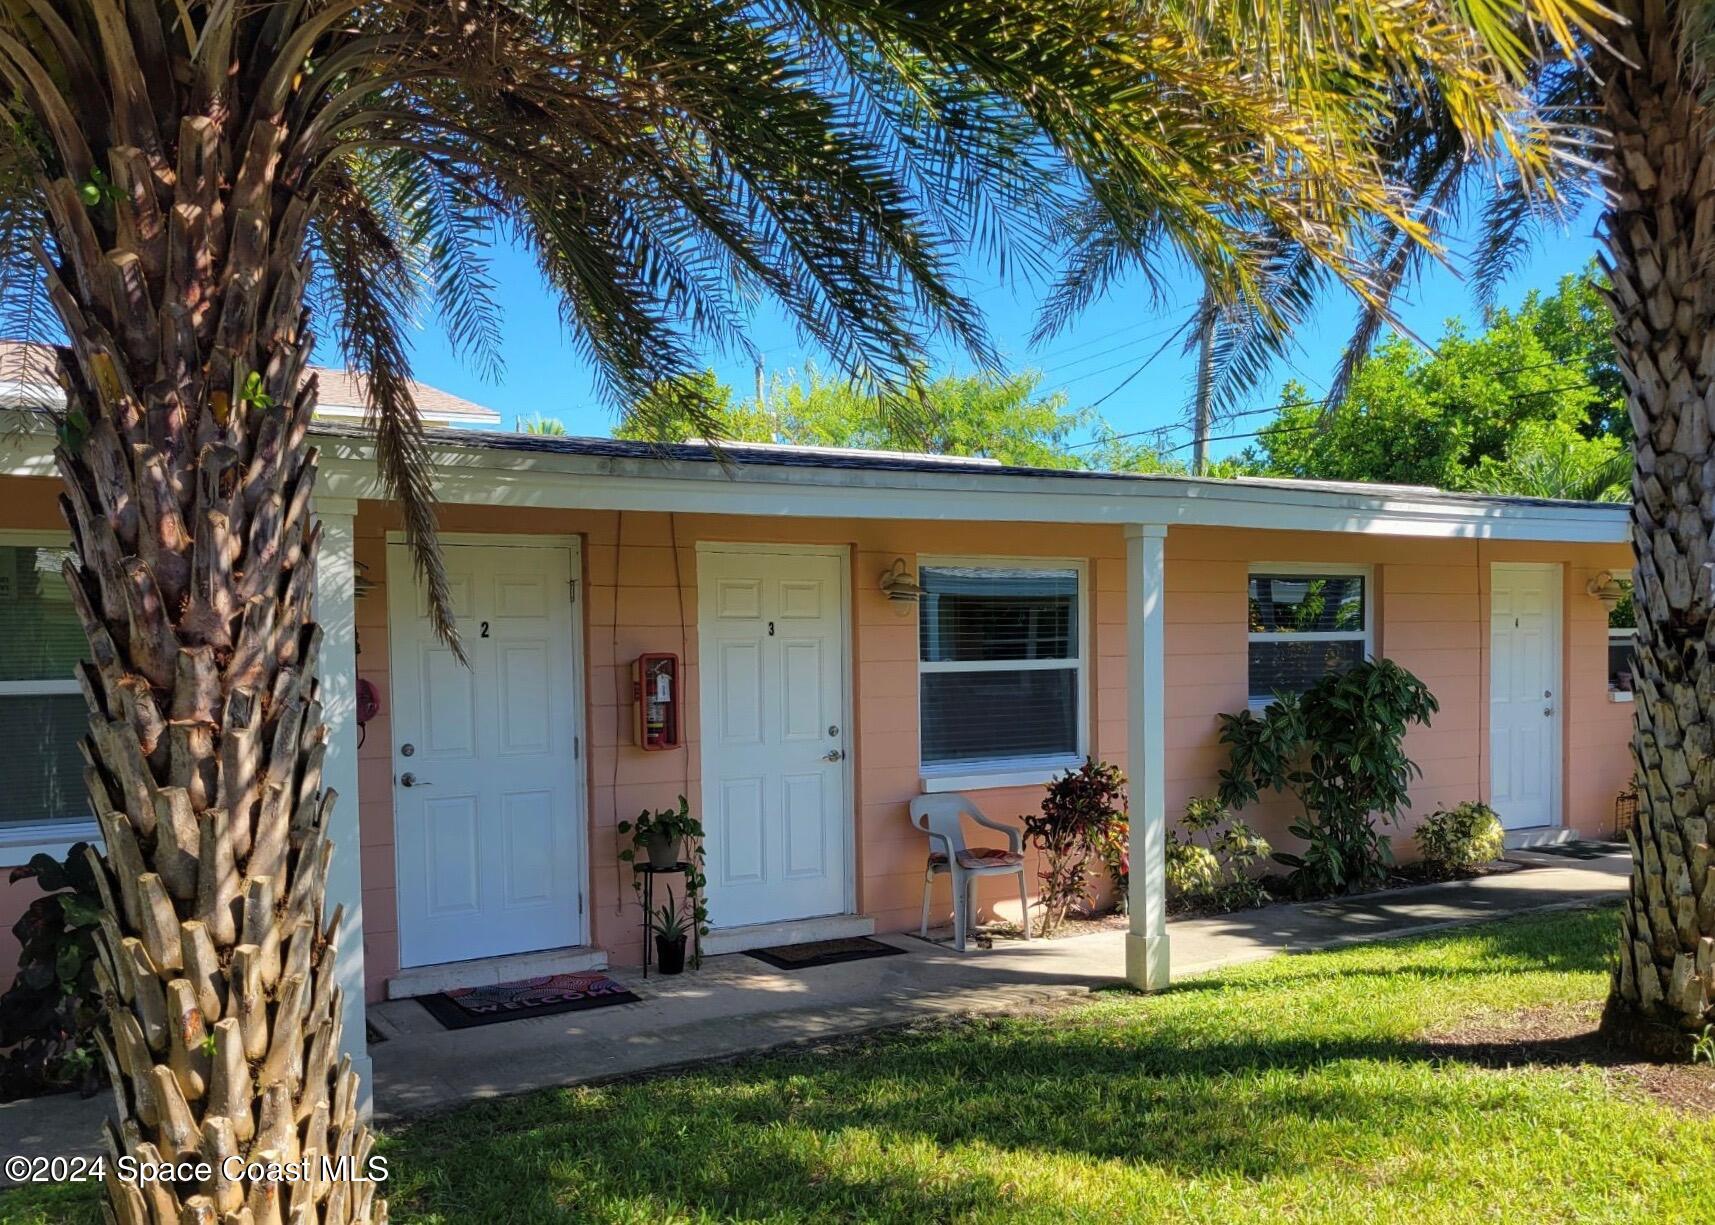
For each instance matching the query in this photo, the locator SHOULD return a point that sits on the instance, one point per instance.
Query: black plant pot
(663, 852)
(670, 955)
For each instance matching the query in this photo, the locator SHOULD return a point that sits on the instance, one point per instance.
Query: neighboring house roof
(341, 395)
(28, 379)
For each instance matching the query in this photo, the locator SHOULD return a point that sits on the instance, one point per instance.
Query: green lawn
(1299, 1089)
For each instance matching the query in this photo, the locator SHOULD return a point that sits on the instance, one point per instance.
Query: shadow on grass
(1294, 1070)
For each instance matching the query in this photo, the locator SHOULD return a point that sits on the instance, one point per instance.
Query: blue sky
(1088, 361)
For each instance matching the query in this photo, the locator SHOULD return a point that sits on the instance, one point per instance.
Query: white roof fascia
(492, 476)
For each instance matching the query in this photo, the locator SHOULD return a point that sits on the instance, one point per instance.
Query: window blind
(1000, 664)
(42, 713)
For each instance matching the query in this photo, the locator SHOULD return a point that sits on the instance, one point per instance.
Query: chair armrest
(1014, 839)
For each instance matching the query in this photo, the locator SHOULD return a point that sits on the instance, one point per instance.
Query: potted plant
(667, 925)
(661, 835)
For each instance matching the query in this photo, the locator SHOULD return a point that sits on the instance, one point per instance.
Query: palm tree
(541, 424)
(189, 185)
(1622, 91)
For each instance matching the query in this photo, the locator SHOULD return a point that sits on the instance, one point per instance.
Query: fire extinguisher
(655, 709)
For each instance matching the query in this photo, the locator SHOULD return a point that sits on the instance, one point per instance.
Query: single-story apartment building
(832, 633)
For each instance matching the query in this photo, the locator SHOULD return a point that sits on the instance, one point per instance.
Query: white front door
(1525, 697)
(772, 651)
(487, 808)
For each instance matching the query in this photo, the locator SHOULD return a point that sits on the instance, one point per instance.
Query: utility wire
(1144, 366)
(1294, 429)
(1101, 353)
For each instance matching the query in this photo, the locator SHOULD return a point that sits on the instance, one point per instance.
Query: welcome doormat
(1580, 849)
(823, 953)
(530, 997)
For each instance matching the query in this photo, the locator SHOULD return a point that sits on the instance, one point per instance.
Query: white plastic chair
(942, 818)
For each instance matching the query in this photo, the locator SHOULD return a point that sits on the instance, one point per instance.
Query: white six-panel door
(772, 665)
(1525, 699)
(487, 799)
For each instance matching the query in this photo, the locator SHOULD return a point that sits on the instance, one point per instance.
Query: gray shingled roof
(737, 457)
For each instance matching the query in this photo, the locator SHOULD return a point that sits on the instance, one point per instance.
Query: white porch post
(336, 612)
(1147, 959)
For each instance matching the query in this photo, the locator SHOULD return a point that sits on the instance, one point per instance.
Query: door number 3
(771, 629)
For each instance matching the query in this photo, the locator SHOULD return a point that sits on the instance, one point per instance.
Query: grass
(1299, 1089)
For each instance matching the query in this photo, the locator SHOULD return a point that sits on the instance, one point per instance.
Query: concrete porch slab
(737, 1004)
(791, 931)
(487, 971)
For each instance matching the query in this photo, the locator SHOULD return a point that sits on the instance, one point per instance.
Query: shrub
(1080, 812)
(48, 1016)
(1114, 847)
(1339, 749)
(1192, 868)
(1454, 841)
(1218, 869)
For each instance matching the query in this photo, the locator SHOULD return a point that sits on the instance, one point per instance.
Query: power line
(1277, 408)
(1277, 429)
(1162, 429)
(1101, 353)
(1144, 366)
(1086, 343)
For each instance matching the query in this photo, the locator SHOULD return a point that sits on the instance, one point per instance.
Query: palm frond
(371, 282)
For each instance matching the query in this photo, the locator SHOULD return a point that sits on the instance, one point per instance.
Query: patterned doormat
(530, 997)
(823, 953)
(1581, 849)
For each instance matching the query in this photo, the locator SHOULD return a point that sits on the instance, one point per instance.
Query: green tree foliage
(1531, 404)
(1005, 418)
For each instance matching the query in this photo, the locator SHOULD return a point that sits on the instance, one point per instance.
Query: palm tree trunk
(187, 486)
(1660, 231)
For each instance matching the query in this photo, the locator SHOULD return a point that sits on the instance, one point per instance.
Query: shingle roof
(738, 456)
(341, 391)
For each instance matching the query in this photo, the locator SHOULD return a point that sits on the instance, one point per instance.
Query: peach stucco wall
(639, 573)
(1432, 617)
(639, 593)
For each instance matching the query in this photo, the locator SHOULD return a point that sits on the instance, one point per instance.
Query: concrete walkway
(737, 1004)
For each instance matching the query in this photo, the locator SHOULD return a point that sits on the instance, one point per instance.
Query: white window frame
(1309, 570)
(981, 773)
(20, 843)
(1614, 632)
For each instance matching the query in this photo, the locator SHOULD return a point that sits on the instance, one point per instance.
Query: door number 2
(485, 629)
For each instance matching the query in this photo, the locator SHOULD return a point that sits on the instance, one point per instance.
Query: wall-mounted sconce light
(897, 583)
(1606, 588)
(361, 583)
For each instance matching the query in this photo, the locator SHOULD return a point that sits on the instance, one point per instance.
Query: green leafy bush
(1338, 748)
(1454, 841)
(48, 1016)
(1082, 810)
(1192, 868)
(1216, 870)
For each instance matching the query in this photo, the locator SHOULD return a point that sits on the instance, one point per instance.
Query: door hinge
(572, 585)
(577, 748)
(580, 904)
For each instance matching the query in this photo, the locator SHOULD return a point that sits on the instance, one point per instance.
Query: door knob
(408, 779)
(834, 755)
(1548, 710)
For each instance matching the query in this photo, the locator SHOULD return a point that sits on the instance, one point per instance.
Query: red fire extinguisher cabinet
(655, 701)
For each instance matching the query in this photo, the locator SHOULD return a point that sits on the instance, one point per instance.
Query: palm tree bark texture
(188, 486)
(1660, 232)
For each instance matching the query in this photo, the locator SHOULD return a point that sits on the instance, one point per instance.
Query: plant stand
(649, 872)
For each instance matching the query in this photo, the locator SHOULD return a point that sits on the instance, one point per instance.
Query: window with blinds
(42, 713)
(1000, 652)
(1304, 625)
